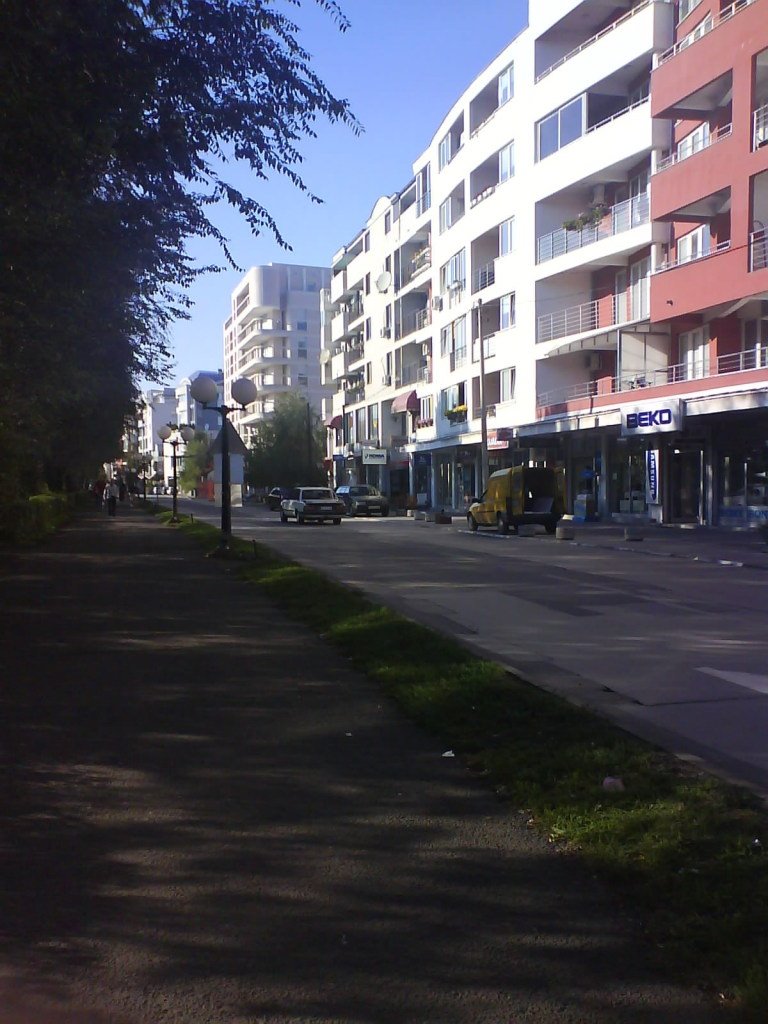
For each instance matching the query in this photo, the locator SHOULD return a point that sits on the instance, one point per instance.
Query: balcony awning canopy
(334, 422)
(407, 402)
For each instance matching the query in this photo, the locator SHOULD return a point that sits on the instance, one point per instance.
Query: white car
(312, 503)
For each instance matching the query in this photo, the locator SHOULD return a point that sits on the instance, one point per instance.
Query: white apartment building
(527, 224)
(273, 336)
(156, 408)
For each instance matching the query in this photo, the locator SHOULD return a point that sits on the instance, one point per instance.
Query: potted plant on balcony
(592, 216)
(458, 414)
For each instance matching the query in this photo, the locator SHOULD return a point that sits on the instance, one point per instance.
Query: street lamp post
(205, 391)
(483, 409)
(182, 434)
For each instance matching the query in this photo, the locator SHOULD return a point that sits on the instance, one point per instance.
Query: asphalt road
(208, 818)
(672, 649)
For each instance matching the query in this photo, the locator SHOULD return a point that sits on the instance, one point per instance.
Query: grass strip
(684, 849)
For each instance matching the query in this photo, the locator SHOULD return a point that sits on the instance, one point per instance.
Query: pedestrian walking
(111, 494)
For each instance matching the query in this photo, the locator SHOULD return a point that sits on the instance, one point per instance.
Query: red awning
(334, 422)
(408, 402)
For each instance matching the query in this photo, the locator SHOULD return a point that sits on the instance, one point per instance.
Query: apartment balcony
(257, 332)
(484, 277)
(680, 379)
(342, 362)
(618, 220)
(415, 373)
(340, 286)
(686, 152)
(704, 29)
(698, 174)
(594, 316)
(340, 325)
(758, 250)
(413, 321)
(717, 277)
(257, 358)
(415, 266)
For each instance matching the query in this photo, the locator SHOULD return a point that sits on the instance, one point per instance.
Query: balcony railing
(595, 315)
(725, 15)
(484, 276)
(758, 250)
(484, 194)
(685, 152)
(593, 39)
(720, 248)
(697, 369)
(423, 203)
(760, 127)
(417, 373)
(414, 321)
(631, 213)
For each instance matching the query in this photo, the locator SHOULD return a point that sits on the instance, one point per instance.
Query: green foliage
(28, 521)
(115, 117)
(197, 462)
(288, 447)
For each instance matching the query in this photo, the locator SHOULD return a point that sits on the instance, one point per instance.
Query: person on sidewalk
(111, 494)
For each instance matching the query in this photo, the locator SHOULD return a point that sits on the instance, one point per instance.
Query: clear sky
(401, 65)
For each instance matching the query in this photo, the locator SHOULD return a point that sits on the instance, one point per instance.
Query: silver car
(312, 504)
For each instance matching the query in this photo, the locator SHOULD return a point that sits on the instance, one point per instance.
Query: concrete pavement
(210, 819)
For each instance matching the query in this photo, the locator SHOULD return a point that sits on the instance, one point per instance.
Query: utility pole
(309, 443)
(483, 413)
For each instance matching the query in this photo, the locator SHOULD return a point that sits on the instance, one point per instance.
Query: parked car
(312, 503)
(523, 494)
(363, 500)
(276, 495)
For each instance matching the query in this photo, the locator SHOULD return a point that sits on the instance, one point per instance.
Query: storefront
(741, 472)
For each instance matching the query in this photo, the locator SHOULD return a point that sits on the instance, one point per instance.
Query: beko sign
(662, 416)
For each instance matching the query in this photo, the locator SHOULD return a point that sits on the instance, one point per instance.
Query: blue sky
(401, 65)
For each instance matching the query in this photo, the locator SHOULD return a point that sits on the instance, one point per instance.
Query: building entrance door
(686, 485)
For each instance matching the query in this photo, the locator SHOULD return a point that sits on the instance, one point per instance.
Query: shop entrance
(686, 485)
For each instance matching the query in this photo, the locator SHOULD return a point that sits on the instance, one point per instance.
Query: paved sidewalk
(210, 819)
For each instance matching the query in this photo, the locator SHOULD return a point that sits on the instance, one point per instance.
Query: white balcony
(594, 316)
(620, 218)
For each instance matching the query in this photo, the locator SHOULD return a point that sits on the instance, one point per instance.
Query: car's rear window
(313, 493)
(362, 490)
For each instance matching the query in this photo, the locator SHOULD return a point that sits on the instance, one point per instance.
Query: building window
(685, 7)
(453, 273)
(445, 215)
(368, 373)
(692, 143)
(387, 222)
(506, 84)
(506, 236)
(303, 380)
(507, 312)
(507, 162)
(367, 284)
(704, 26)
(693, 245)
(425, 408)
(444, 151)
(373, 421)
(367, 241)
(507, 384)
(302, 352)
(558, 129)
(368, 329)
(694, 354)
(301, 325)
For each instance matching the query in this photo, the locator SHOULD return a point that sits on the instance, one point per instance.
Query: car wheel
(550, 527)
(472, 523)
(385, 511)
(502, 524)
(283, 517)
(300, 518)
(337, 522)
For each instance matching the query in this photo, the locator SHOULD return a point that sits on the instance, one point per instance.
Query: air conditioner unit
(425, 348)
(386, 380)
(593, 361)
(437, 302)
(384, 332)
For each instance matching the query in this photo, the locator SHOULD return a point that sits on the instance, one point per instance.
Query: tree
(288, 447)
(115, 116)
(197, 462)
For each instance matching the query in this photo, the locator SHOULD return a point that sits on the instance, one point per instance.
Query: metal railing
(621, 217)
(684, 152)
(725, 15)
(720, 248)
(618, 114)
(760, 127)
(595, 38)
(423, 203)
(595, 315)
(416, 373)
(413, 321)
(484, 276)
(758, 250)
(696, 369)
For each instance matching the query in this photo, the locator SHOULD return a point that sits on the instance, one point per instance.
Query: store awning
(408, 402)
(334, 422)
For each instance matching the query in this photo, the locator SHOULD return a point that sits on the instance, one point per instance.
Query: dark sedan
(363, 500)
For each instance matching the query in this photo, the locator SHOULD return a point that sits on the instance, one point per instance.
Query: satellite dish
(383, 281)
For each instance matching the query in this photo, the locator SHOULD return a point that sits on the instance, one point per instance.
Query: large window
(453, 338)
(692, 143)
(685, 7)
(506, 236)
(453, 273)
(507, 384)
(694, 354)
(755, 345)
(693, 245)
(444, 154)
(563, 126)
(507, 162)
(373, 421)
(507, 312)
(506, 84)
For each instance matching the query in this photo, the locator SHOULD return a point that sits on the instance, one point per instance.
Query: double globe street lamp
(182, 435)
(205, 390)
